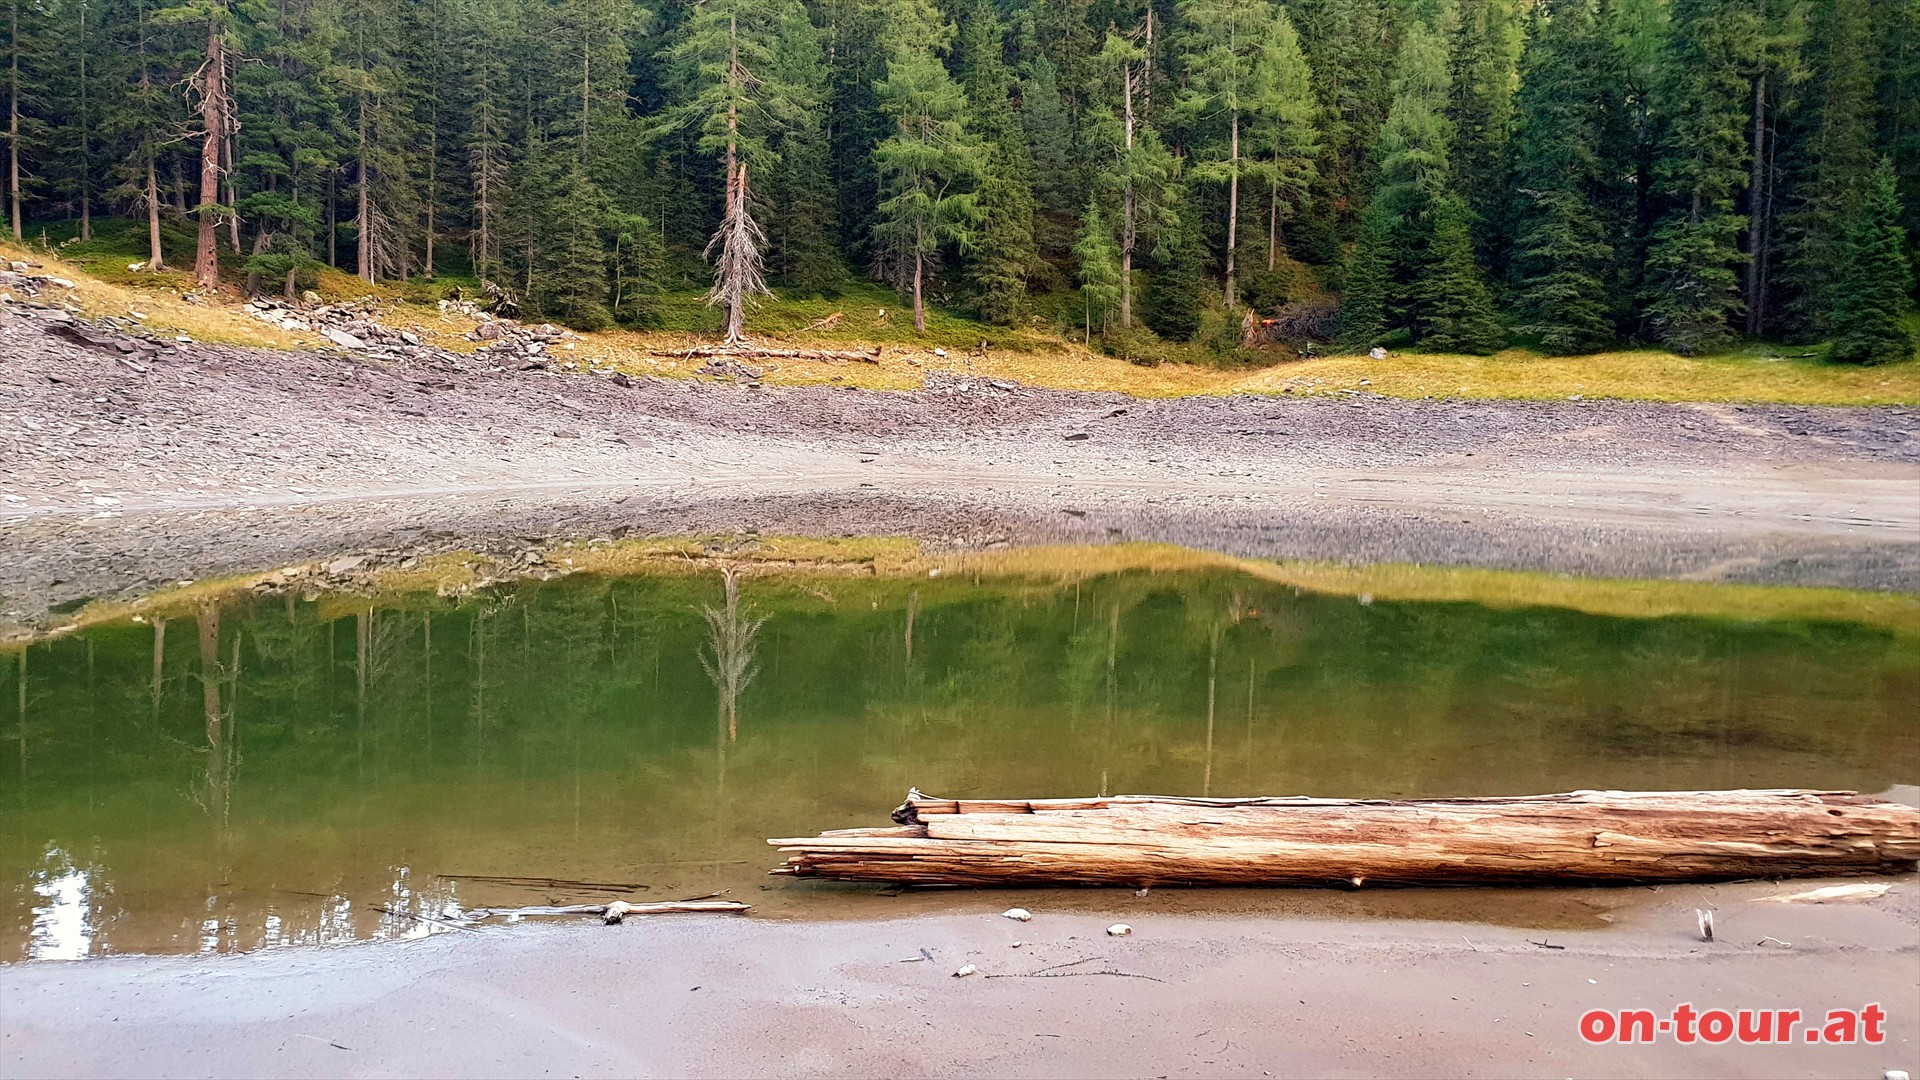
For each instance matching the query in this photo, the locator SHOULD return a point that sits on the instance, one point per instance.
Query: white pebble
(965, 971)
(1017, 914)
(1119, 929)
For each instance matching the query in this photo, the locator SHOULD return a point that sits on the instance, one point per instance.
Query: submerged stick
(614, 912)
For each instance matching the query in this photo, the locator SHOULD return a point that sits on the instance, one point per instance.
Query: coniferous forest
(1452, 175)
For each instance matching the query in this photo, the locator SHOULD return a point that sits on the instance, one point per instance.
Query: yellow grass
(800, 559)
(1757, 373)
(1516, 374)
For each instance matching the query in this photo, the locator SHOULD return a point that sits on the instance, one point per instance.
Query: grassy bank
(871, 316)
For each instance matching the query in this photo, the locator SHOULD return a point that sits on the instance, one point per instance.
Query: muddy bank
(1183, 996)
(191, 460)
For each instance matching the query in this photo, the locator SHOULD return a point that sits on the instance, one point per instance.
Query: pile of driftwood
(1596, 836)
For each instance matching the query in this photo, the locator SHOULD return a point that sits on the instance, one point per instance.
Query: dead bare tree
(739, 273)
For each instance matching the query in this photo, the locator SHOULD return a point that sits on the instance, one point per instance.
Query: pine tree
(928, 157)
(1693, 279)
(1058, 191)
(1457, 309)
(1099, 269)
(1568, 202)
(1870, 301)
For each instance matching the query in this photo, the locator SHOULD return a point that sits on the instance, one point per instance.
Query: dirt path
(119, 473)
(1182, 996)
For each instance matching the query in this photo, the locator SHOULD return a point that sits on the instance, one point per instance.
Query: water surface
(283, 771)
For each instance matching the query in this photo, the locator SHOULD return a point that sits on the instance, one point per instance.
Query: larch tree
(1099, 259)
(928, 164)
(1142, 170)
(1226, 51)
(1282, 129)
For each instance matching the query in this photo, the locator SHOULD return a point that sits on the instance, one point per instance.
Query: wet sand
(1184, 995)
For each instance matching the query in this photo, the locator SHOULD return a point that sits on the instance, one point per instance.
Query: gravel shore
(122, 469)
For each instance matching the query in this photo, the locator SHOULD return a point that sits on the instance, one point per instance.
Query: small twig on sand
(1543, 944)
(1055, 972)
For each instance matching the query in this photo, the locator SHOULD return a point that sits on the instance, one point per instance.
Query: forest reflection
(283, 771)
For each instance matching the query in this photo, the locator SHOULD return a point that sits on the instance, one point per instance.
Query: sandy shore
(1185, 995)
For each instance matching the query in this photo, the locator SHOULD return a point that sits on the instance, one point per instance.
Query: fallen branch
(827, 323)
(612, 913)
(871, 356)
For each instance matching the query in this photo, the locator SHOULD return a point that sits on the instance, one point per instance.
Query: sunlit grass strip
(808, 563)
(1615, 597)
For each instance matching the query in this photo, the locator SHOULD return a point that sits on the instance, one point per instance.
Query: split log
(869, 356)
(1588, 836)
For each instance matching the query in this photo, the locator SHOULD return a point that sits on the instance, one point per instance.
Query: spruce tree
(1693, 265)
(1457, 309)
(1369, 280)
(1833, 165)
(1566, 186)
(1870, 300)
(1003, 253)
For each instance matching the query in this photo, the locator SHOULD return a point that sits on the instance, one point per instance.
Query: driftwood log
(1592, 836)
(868, 356)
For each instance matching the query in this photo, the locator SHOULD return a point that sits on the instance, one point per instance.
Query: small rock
(346, 565)
(342, 338)
(1119, 929)
(1017, 914)
(965, 971)
(1079, 436)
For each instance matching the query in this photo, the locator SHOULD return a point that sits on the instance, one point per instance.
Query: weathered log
(870, 356)
(1592, 836)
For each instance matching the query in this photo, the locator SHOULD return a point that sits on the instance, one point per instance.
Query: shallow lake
(278, 770)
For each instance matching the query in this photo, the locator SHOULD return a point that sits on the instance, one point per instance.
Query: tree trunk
(919, 305)
(155, 260)
(1756, 212)
(1128, 228)
(363, 263)
(1233, 207)
(1273, 227)
(86, 139)
(229, 136)
(13, 119)
(1600, 836)
(206, 259)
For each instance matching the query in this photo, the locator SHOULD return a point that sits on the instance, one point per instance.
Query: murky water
(279, 772)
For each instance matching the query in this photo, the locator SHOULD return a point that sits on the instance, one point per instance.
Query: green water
(278, 771)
